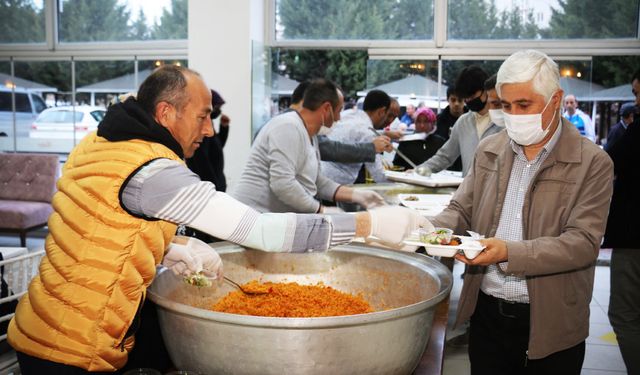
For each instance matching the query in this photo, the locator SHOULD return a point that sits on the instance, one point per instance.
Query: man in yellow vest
(121, 195)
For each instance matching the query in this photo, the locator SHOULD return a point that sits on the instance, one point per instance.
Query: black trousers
(499, 338)
(148, 352)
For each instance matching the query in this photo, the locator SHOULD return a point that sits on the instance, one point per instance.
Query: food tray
(441, 179)
(469, 247)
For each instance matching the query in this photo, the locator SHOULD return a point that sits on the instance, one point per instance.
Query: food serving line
(408, 292)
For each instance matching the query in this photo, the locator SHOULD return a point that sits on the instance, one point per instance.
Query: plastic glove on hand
(367, 198)
(189, 255)
(392, 224)
(180, 260)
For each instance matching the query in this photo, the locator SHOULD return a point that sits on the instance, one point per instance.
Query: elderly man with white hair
(539, 193)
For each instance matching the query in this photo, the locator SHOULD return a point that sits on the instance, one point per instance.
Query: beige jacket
(564, 218)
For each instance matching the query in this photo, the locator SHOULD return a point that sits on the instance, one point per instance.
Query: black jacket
(419, 150)
(625, 203)
(208, 160)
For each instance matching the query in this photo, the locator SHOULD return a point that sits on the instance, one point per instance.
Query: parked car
(67, 122)
(28, 105)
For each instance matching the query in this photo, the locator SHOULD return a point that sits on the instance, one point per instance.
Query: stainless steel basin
(403, 288)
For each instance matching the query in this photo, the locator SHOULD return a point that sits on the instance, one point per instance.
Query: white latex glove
(189, 255)
(367, 198)
(392, 224)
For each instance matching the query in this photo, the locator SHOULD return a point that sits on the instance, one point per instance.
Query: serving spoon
(248, 291)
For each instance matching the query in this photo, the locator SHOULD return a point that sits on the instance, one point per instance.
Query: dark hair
(376, 99)
(451, 90)
(165, 84)
(320, 90)
(490, 83)
(470, 80)
(636, 76)
(298, 92)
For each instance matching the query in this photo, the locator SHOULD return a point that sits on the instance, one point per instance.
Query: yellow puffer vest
(99, 261)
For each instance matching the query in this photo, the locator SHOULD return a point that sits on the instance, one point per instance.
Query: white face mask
(527, 130)
(325, 130)
(497, 117)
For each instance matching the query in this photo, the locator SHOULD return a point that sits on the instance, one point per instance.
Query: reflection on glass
(25, 92)
(541, 19)
(347, 68)
(112, 20)
(412, 82)
(22, 21)
(355, 19)
(262, 105)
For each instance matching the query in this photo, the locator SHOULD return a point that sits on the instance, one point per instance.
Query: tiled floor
(602, 354)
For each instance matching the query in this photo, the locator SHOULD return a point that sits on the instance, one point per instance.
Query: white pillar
(220, 49)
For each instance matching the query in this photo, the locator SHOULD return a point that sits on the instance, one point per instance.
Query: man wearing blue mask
(540, 194)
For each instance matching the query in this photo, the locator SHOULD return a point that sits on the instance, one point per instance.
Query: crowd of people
(536, 186)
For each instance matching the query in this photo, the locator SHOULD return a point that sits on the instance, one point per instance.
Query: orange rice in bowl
(292, 300)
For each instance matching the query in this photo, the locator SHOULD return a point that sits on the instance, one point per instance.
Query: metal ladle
(250, 292)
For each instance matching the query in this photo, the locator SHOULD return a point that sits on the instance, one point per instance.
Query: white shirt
(354, 126)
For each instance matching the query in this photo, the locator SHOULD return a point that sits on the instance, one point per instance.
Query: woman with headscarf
(424, 143)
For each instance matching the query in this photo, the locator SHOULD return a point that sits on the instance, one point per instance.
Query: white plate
(469, 247)
(425, 201)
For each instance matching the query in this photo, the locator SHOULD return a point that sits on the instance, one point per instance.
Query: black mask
(476, 104)
(215, 113)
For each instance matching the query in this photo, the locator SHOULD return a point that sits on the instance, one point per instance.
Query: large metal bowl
(403, 288)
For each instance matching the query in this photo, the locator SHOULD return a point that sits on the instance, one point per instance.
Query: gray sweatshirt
(462, 143)
(283, 170)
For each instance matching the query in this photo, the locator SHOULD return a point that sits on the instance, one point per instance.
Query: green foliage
(594, 19)
(389, 20)
(473, 19)
(21, 22)
(599, 19)
(87, 21)
(139, 29)
(173, 22)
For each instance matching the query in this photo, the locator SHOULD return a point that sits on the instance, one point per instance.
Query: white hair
(530, 65)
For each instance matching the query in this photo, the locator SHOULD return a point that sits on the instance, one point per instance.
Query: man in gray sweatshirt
(283, 170)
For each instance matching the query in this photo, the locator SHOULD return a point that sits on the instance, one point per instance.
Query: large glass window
(542, 19)
(98, 82)
(38, 85)
(410, 81)
(355, 19)
(113, 20)
(22, 21)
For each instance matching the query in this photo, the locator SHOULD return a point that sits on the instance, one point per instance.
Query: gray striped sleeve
(322, 231)
(168, 190)
(244, 227)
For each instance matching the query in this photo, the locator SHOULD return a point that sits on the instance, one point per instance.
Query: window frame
(53, 49)
(440, 45)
